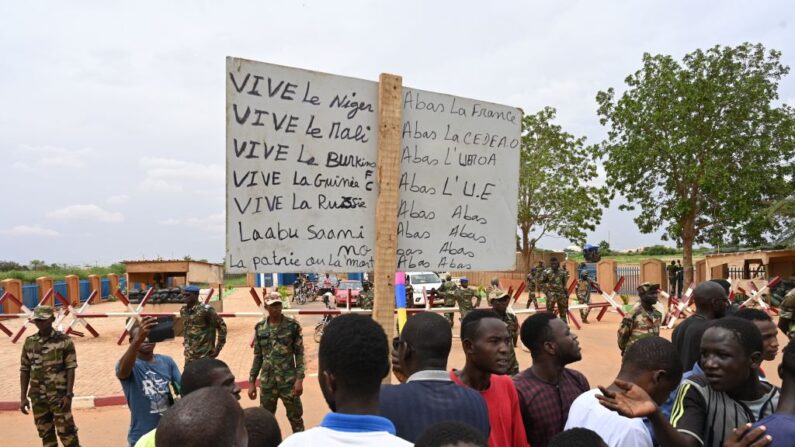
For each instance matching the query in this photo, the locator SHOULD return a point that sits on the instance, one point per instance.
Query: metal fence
(741, 273)
(631, 274)
(30, 292)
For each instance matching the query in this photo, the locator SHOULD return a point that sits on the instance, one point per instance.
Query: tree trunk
(526, 251)
(688, 236)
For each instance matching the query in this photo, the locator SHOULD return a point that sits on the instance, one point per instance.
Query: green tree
(783, 212)
(36, 264)
(700, 145)
(604, 248)
(556, 191)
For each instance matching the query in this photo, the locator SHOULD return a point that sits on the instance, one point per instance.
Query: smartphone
(164, 330)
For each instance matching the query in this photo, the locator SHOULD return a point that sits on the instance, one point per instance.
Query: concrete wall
(73, 289)
(14, 287)
(45, 283)
(606, 274)
(653, 271)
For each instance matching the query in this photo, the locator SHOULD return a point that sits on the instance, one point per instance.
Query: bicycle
(321, 326)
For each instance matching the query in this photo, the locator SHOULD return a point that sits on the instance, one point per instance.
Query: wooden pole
(390, 91)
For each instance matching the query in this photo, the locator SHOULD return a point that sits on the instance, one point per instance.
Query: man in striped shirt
(709, 407)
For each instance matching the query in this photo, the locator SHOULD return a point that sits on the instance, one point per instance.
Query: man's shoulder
(577, 376)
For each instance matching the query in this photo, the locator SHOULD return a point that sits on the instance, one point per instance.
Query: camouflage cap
(273, 298)
(648, 287)
(43, 313)
(790, 294)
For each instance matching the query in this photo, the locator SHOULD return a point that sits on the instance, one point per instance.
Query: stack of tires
(160, 296)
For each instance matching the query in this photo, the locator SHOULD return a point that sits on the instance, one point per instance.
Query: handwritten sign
(459, 183)
(301, 154)
(301, 150)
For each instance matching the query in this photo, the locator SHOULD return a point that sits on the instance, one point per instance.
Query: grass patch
(58, 273)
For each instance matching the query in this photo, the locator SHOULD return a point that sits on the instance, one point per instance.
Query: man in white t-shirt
(651, 363)
(353, 359)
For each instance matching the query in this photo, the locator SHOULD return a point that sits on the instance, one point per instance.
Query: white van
(420, 280)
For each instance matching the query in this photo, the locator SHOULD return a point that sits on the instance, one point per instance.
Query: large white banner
(301, 149)
(459, 183)
(301, 156)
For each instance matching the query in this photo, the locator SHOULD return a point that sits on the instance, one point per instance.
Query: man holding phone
(145, 376)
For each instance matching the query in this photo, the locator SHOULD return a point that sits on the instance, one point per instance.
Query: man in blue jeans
(146, 378)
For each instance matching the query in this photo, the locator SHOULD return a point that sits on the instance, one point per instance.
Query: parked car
(342, 290)
(423, 280)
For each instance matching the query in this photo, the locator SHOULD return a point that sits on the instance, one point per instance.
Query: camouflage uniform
(638, 324)
(366, 299)
(553, 285)
(513, 329)
(463, 297)
(46, 360)
(200, 323)
(447, 293)
(279, 362)
(584, 295)
(787, 310)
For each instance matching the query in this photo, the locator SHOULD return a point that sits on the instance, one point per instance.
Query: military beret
(191, 289)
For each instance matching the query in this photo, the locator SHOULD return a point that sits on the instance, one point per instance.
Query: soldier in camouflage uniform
(643, 321)
(463, 296)
(584, 294)
(553, 283)
(366, 296)
(48, 367)
(200, 322)
(532, 284)
(786, 322)
(279, 363)
(500, 306)
(447, 293)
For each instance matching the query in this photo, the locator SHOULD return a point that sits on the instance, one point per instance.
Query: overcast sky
(112, 113)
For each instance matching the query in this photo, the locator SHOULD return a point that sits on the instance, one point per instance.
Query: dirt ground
(108, 426)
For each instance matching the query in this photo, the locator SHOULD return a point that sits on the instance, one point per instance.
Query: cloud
(120, 198)
(54, 156)
(29, 230)
(212, 223)
(169, 222)
(85, 212)
(171, 175)
(21, 166)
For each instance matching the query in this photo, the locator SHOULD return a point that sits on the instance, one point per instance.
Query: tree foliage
(556, 191)
(701, 146)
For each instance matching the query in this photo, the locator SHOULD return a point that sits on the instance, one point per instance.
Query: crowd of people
(706, 387)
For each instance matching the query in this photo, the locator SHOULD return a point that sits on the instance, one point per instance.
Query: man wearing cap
(201, 322)
(644, 320)
(463, 296)
(47, 376)
(366, 296)
(553, 282)
(500, 306)
(447, 293)
(279, 363)
(584, 294)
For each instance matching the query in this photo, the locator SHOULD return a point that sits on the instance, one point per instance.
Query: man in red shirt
(486, 342)
(547, 389)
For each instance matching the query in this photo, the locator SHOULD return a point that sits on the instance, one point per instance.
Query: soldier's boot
(43, 418)
(294, 409)
(65, 426)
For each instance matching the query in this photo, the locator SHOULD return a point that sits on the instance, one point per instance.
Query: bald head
(194, 421)
(711, 299)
